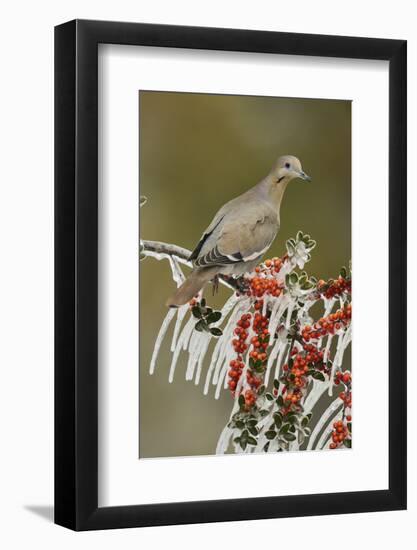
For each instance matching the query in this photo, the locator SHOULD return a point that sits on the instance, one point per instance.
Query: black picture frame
(76, 272)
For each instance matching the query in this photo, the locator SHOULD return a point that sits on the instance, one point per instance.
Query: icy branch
(161, 251)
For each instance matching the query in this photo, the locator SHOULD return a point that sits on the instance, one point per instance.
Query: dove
(241, 232)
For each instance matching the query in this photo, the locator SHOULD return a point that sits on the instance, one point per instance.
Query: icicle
(328, 306)
(181, 343)
(227, 308)
(203, 351)
(161, 334)
(315, 393)
(196, 342)
(224, 440)
(265, 304)
(272, 356)
(275, 317)
(326, 351)
(177, 273)
(212, 365)
(279, 360)
(182, 311)
(289, 314)
(222, 375)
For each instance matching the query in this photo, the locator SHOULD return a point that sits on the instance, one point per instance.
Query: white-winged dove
(241, 231)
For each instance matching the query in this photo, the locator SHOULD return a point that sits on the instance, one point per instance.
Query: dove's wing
(242, 233)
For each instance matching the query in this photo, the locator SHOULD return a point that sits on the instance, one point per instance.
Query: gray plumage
(241, 231)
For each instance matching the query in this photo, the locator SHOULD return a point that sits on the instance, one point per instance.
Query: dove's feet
(242, 284)
(215, 282)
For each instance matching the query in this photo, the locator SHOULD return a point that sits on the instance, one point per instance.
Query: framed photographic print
(223, 197)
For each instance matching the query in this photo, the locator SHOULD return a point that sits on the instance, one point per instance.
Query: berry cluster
(250, 398)
(264, 285)
(345, 396)
(271, 266)
(328, 325)
(340, 435)
(333, 288)
(257, 354)
(240, 346)
(235, 373)
(302, 364)
(239, 343)
(344, 377)
(265, 282)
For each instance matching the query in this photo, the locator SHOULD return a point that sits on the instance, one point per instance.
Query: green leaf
(349, 426)
(300, 235)
(240, 424)
(252, 422)
(311, 244)
(269, 396)
(261, 390)
(263, 412)
(142, 257)
(278, 419)
(244, 444)
(253, 430)
(252, 441)
(270, 434)
(142, 200)
(196, 311)
(258, 367)
(216, 331)
(241, 400)
(201, 325)
(347, 443)
(280, 401)
(203, 302)
(293, 419)
(304, 422)
(236, 440)
(293, 278)
(307, 431)
(284, 429)
(317, 375)
(343, 272)
(213, 317)
(303, 278)
(308, 285)
(276, 384)
(289, 437)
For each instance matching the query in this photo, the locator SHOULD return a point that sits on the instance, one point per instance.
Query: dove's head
(288, 168)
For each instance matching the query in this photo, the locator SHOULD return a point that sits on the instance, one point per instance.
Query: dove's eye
(287, 165)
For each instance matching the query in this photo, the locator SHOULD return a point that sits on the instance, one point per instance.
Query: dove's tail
(192, 286)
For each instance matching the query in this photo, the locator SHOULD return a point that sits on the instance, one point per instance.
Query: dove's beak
(304, 176)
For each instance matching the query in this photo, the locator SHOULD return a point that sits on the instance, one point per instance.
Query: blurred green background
(198, 151)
